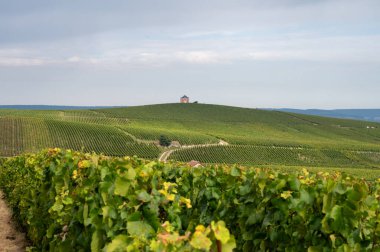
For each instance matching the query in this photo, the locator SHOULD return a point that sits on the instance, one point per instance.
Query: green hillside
(250, 136)
(252, 126)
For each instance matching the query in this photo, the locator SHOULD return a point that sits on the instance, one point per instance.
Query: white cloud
(200, 57)
(158, 53)
(15, 57)
(20, 62)
(74, 59)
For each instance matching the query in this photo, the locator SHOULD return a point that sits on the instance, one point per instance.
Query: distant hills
(356, 114)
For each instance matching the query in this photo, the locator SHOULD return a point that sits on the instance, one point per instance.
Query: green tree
(165, 141)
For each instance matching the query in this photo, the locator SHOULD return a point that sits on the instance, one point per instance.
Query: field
(250, 136)
(274, 155)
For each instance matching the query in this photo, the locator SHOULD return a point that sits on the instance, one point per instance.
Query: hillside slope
(356, 114)
(251, 126)
(256, 137)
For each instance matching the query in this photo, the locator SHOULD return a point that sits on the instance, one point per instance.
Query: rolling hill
(208, 133)
(356, 114)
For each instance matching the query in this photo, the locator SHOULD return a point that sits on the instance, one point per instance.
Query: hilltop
(249, 126)
(249, 136)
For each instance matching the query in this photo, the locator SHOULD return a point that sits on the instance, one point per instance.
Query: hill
(208, 133)
(249, 126)
(356, 114)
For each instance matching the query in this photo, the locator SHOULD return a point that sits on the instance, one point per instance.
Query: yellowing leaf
(169, 185)
(220, 231)
(333, 238)
(162, 192)
(305, 171)
(168, 227)
(200, 228)
(170, 197)
(230, 245)
(200, 241)
(186, 201)
(286, 194)
(131, 175)
(84, 164)
(118, 244)
(75, 174)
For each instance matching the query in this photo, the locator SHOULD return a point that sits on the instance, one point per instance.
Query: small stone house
(184, 99)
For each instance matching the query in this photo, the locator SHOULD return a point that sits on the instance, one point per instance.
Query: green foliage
(165, 141)
(72, 201)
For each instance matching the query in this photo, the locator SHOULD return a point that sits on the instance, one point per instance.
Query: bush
(165, 141)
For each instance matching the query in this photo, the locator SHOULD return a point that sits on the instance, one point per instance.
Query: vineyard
(271, 155)
(253, 126)
(20, 135)
(254, 137)
(70, 201)
(182, 136)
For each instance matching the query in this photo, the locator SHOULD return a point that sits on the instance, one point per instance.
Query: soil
(11, 239)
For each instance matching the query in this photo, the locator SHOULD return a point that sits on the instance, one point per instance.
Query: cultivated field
(250, 136)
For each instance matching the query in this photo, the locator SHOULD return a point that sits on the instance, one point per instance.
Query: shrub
(165, 141)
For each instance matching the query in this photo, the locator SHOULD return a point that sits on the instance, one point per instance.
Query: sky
(249, 53)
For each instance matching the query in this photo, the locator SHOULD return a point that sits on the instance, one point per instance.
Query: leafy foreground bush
(69, 201)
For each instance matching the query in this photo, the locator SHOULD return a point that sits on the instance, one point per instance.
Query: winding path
(165, 155)
(11, 240)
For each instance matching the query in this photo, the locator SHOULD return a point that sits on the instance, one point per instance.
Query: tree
(165, 141)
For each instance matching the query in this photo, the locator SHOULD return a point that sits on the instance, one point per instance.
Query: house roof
(184, 96)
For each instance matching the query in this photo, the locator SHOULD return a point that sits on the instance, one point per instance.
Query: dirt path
(165, 155)
(11, 240)
(137, 140)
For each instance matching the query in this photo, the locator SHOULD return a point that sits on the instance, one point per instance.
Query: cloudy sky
(251, 53)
